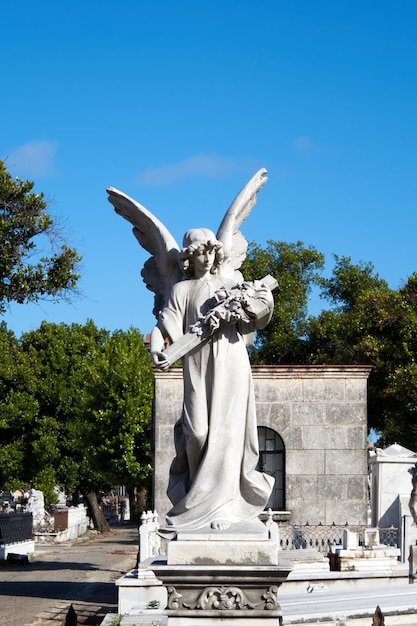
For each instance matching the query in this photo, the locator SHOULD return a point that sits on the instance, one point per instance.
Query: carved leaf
(271, 598)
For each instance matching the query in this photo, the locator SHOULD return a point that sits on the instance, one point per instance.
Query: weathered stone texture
(292, 435)
(309, 463)
(352, 460)
(307, 412)
(316, 390)
(357, 488)
(336, 489)
(324, 438)
(347, 413)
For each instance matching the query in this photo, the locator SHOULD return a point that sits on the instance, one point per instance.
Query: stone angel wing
(234, 243)
(161, 271)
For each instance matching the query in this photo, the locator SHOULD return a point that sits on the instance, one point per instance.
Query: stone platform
(228, 577)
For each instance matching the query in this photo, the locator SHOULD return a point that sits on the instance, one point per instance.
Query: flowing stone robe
(213, 475)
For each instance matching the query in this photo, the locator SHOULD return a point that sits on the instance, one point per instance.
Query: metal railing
(321, 537)
(15, 527)
(389, 536)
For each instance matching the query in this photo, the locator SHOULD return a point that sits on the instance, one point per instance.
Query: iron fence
(15, 527)
(321, 537)
(389, 536)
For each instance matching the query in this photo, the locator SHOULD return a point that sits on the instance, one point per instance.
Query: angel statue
(203, 304)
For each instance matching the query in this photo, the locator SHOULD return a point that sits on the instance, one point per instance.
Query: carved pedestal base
(228, 577)
(232, 594)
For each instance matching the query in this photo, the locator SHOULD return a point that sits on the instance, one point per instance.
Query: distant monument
(36, 506)
(208, 314)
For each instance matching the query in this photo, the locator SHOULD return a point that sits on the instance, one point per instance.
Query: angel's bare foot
(220, 524)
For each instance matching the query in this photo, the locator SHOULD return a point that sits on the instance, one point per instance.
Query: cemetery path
(81, 573)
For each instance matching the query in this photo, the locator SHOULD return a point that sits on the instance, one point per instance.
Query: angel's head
(196, 241)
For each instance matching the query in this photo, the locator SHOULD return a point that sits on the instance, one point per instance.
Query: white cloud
(35, 159)
(303, 145)
(202, 165)
(286, 171)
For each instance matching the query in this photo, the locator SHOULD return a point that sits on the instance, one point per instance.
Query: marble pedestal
(222, 577)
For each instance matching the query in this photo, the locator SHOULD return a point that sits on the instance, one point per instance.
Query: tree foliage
(60, 355)
(296, 268)
(34, 262)
(120, 405)
(81, 411)
(18, 411)
(367, 323)
(375, 325)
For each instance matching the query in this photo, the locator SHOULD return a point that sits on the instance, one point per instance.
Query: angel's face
(203, 260)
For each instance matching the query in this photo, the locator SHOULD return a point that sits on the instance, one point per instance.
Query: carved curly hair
(198, 240)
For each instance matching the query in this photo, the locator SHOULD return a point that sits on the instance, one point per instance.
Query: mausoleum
(312, 427)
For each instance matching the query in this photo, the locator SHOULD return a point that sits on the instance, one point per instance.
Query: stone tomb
(370, 557)
(391, 486)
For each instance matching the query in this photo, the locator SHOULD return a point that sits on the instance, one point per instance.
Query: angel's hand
(160, 360)
(264, 294)
(260, 303)
(260, 306)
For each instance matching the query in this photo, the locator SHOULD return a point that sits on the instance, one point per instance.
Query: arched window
(272, 461)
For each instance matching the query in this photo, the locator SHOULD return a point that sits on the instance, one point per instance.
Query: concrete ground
(81, 573)
(160, 620)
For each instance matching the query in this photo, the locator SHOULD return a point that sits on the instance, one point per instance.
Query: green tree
(367, 323)
(59, 354)
(372, 324)
(118, 413)
(18, 411)
(26, 274)
(297, 270)
(94, 391)
(333, 335)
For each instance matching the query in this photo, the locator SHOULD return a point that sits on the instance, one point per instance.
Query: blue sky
(178, 103)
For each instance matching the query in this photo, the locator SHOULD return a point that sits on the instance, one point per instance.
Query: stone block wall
(320, 414)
